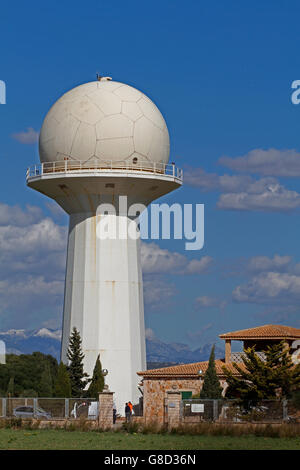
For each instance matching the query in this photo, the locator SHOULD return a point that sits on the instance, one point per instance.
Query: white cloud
(258, 264)
(198, 334)
(243, 192)
(34, 249)
(149, 333)
(273, 198)
(28, 137)
(28, 301)
(32, 266)
(199, 178)
(12, 332)
(14, 215)
(269, 288)
(156, 262)
(271, 162)
(43, 235)
(161, 261)
(205, 301)
(44, 332)
(157, 293)
(32, 269)
(55, 209)
(29, 286)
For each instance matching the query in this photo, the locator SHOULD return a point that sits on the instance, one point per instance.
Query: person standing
(114, 412)
(127, 412)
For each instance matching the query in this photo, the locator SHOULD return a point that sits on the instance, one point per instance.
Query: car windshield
(40, 410)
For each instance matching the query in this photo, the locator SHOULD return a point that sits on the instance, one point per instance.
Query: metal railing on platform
(71, 166)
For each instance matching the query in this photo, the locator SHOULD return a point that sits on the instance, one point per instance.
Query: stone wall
(155, 393)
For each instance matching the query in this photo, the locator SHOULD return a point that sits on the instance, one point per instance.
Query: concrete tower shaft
(103, 287)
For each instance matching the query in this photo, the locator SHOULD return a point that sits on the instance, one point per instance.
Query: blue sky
(221, 74)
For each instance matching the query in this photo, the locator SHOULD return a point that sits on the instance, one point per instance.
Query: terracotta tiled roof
(186, 370)
(264, 332)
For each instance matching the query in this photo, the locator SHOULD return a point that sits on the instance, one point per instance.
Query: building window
(186, 395)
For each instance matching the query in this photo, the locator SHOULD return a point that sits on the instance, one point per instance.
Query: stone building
(188, 378)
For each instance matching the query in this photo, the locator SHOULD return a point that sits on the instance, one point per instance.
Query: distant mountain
(47, 341)
(158, 351)
(27, 341)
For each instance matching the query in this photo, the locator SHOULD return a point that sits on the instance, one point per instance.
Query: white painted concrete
(104, 299)
(104, 120)
(101, 122)
(104, 289)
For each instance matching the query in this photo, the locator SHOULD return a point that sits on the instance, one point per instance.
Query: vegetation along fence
(234, 411)
(49, 408)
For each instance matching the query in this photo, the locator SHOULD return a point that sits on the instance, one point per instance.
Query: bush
(14, 423)
(131, 427)
(296, 399)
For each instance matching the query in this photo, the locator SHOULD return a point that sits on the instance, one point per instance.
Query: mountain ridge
(48, 341)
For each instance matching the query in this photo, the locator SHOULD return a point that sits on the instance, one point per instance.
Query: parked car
(28, 412)
(87, 410)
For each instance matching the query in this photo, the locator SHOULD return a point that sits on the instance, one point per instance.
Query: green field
(60, 439)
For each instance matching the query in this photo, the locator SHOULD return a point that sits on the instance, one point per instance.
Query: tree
(27, 370)
(75, 369)
(11, 387)
(62, 387)
(29, 393)
(97, 382)
(211, 384)
(276, 376)
(46, 385)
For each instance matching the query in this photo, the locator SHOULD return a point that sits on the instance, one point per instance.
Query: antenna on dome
(100, 78)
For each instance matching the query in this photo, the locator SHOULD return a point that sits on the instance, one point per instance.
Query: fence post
(66, 407)
(34, 407)
(284, 410)
(105, 417)
(215, 410)
(4, 407)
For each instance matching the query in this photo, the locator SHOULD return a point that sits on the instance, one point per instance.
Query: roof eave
(252, 338)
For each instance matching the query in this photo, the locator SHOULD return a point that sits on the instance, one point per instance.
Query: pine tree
(97, 382)
(75, 369)
(46, 385)
(62, 387)
(273, 377)
(211, 384)
(11, 387)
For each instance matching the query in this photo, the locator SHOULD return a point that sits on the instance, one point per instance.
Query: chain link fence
(49, 408)
(233, 411)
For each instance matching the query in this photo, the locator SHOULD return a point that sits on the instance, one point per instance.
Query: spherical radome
(104, 121)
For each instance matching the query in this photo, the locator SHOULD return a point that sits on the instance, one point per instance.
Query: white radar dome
(104, 121)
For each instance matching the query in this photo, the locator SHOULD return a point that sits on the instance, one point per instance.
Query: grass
(22, 439)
